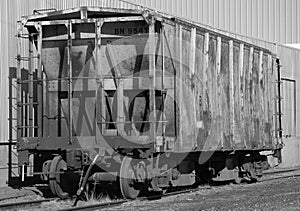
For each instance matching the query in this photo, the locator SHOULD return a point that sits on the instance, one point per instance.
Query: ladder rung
(277, 130)
(27, 81)
(22, 58)
(22, 36)
(26, 59)
(26, 104)
(29, 126)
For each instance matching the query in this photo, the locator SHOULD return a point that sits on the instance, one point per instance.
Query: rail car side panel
(235, 82)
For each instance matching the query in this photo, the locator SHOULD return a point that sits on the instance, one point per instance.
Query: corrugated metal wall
(271, 20)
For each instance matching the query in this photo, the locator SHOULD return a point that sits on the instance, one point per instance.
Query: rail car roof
(106, 12)
(81, 13)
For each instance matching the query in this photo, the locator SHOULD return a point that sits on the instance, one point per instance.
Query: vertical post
(219, 84)
(69, 62)
(40, 77)
(274, 100)
(180, 78)
(279, 97)
(10, 130)
(19, 85)
(193, 86)
(20, 114)
(242, 80)
(30, 86)
(162, 37)
(120, 105)
(98, 25)
(270, 97)
(250, 73)
(205, 67)
(153, 82)
(261, 95)
(231, 91)
(192, 52)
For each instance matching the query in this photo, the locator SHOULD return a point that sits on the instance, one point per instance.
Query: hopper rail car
(140, 99)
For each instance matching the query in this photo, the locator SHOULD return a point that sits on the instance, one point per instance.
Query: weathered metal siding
(272, 20)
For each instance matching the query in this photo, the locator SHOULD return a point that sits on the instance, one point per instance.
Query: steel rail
(17, 204)
(280, 177)
(96, 206)
(280, 171)
(116, 203)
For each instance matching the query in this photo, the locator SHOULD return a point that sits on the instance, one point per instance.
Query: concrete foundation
(3, 165)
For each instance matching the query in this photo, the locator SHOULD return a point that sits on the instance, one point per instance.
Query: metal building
(270, 23)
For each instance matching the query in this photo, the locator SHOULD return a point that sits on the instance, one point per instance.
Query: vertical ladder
(279, 99)
(25, 101)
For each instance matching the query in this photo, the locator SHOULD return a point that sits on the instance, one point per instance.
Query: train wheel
(56, 181)
(128, 179)
(250, 172)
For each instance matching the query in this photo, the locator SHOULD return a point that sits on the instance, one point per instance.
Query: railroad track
(116, 203)
(119, 202)
(151, 197)
(280, 177)
(15, 205)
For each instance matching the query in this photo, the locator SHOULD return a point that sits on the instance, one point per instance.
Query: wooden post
(231, 92)
(69, 62)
